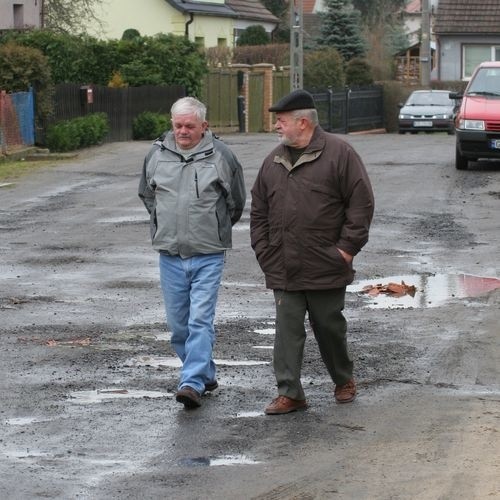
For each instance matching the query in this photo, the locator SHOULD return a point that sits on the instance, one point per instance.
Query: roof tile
(468, 17)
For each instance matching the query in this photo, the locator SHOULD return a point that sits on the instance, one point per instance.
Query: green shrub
(149, 125)
(164, 59)
(358, 72)
(323, 68)
(77, 133)
(253, 35)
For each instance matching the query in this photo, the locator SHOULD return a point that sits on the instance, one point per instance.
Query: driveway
(88, 376)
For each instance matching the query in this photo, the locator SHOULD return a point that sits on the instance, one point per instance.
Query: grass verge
(13, 170)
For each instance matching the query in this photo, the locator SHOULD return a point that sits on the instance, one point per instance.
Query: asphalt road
(87, 373)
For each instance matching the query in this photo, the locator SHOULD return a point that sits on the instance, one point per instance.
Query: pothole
(431, 290)
(103, 395)
(171, 362)
(218, 461)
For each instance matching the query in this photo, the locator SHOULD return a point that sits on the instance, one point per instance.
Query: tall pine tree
(341, 29)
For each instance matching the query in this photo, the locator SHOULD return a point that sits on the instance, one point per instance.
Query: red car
(477, 123)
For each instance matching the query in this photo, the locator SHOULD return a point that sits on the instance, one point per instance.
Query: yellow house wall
(211, 29)
(149, 17)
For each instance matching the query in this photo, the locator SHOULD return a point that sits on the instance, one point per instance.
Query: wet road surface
(88, 376)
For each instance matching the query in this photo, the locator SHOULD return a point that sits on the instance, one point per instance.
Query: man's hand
(347, 257)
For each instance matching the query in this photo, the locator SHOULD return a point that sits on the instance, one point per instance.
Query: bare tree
(70, 16)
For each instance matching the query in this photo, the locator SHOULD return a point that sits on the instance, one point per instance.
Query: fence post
(347, 109)
(267, 118)
(330, 109)
(3, 139)
(243, 95)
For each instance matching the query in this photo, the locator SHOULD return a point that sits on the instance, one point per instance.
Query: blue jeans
(190, 287)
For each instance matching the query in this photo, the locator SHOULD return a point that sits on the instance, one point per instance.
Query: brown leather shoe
(283, 404)
(345, 393)
(188, 397)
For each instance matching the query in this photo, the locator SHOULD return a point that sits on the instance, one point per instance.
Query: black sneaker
(188, 397)
(211, 386)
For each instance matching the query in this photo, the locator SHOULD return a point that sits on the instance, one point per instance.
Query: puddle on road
(164, 336)
(134, 219)
(432, 291)
(25, 421)
(157, 361)
(27, 454)
(217, 461)
(240, 284)
(241, 227)
(250, 414)
(265, 331)
(102, 395)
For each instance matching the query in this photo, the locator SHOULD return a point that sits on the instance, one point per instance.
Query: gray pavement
(88, 374)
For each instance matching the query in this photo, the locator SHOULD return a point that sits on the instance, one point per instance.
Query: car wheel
(451, 131)
(461, 162)
(401, 132)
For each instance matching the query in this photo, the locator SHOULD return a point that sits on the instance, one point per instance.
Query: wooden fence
(237, 100)
(340, 110)
(121, 105)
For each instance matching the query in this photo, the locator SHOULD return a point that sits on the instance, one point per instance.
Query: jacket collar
(205, 147)
(312, 151)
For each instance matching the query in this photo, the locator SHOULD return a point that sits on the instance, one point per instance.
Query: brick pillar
(267, 102)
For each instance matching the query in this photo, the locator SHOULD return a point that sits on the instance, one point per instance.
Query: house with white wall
(20, 14)
(214, 23)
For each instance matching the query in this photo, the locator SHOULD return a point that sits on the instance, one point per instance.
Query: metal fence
(350, 109)
(17, 120)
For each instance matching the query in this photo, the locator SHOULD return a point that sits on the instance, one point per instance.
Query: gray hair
(308, 114)
(188, 106)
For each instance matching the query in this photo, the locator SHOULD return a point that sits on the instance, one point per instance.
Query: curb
(35, 154)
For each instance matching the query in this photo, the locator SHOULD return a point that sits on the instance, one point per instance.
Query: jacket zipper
(196, 183)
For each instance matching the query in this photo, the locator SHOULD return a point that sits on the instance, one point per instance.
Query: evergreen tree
(376, 12)
(253, 35)
(341, 29)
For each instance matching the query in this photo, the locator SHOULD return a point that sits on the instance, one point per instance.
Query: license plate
(422, 124)
(495, 143)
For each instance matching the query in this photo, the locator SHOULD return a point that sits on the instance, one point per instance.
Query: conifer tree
(341, 29)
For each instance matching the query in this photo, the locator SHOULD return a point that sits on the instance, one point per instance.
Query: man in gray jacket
(312, 205)
(192, 186)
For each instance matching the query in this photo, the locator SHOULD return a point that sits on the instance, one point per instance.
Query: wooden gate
(256, 110)
(220, 94)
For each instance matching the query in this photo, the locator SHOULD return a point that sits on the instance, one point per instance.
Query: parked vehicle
(478, 120)
(427, 111)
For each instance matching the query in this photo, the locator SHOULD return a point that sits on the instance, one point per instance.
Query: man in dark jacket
(312, 205)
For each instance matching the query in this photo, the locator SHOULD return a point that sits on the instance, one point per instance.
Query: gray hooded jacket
(192, 200)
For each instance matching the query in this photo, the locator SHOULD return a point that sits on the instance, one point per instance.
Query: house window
(199, 41)
(18, 15)
(221, 42)
(476, 54)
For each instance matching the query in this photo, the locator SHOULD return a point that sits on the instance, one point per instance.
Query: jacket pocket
(153, 223)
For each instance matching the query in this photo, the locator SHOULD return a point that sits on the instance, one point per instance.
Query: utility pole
(296, 45)
(425, 45)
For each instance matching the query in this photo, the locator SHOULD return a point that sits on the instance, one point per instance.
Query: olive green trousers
(324, 308)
